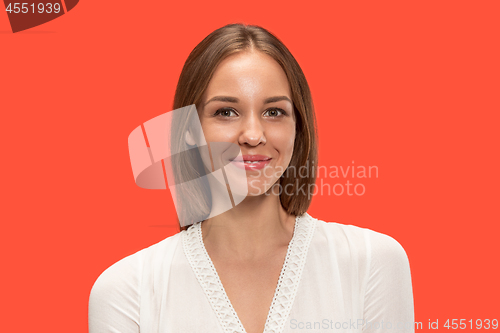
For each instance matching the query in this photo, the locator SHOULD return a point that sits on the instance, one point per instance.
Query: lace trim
(285, 291)
(209, 279)
(291, 273)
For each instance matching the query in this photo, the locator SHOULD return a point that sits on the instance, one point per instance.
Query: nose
(252, 132)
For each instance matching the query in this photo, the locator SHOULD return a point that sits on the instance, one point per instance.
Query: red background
(411, 87)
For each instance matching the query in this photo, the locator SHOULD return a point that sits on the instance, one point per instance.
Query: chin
(258, 187)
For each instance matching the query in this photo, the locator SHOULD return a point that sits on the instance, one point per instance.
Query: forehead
(248, 73)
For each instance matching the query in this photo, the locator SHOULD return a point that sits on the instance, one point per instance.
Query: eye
(225, 113)
(275, 112)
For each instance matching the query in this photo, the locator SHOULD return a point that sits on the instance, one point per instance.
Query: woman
(263, 264)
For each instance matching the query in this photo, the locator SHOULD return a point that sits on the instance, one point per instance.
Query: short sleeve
(114, 299)
(388, 302)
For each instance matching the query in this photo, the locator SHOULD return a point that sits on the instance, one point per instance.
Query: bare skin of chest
(250, 287)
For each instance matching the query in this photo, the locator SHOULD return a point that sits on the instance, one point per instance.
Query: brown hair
(193, 81)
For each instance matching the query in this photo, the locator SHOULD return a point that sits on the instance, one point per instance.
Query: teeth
(249, 162)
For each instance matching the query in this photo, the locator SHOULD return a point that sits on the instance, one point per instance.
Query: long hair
(193, 81)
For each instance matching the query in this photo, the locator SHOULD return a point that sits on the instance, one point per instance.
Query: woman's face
(248, 102)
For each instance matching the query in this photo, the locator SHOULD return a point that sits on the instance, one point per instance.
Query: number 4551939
(477, 324)
(24, 8)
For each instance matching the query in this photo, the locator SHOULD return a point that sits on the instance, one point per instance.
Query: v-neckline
(285, 291)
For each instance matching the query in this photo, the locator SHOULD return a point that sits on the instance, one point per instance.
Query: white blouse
(335, 278)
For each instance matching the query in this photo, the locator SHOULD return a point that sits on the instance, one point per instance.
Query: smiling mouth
(250, 160)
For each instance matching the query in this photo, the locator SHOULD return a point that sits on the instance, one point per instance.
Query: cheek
(283, 140)
(218, 133)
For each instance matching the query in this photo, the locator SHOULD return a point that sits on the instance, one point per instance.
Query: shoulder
(373, 245)
(374, 262)
(118, 294)
(122, 279)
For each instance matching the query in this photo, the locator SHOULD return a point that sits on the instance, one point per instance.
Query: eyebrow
(236, 100)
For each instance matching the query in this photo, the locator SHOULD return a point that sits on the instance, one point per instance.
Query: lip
(257, 161)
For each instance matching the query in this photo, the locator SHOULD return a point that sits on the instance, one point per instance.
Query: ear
(189, 138)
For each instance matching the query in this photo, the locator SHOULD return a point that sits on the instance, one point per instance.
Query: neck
(250, 230)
